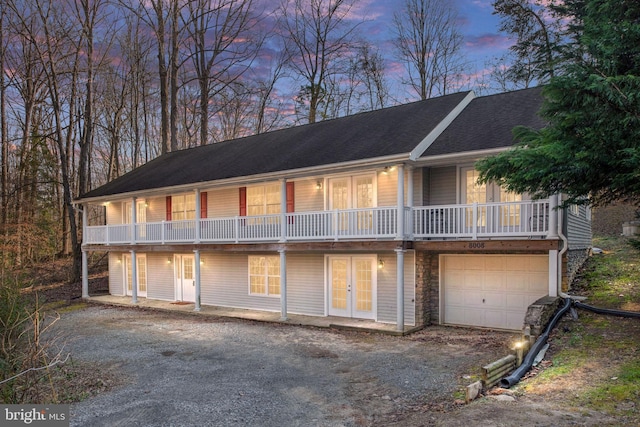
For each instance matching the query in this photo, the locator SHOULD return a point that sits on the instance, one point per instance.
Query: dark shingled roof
(485, 123)
(488, 121)
(385, 132)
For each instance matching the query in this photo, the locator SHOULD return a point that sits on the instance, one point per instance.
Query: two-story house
(377, 216)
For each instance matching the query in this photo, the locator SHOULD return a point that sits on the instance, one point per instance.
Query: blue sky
(481, 45)
(482, 40)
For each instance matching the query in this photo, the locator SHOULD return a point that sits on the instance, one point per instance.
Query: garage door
(492, 290)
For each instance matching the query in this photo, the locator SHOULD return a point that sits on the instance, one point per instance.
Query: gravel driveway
(191, 371)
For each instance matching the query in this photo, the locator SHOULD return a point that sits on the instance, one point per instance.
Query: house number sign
(476, 245)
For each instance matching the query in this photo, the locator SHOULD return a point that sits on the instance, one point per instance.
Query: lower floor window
(264, 275)
(141, 269)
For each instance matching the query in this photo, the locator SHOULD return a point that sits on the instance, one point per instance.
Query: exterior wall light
(380, 264)
(319, 185)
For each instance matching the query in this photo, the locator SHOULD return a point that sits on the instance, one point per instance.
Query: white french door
(185, 284)
(472, 192)
(141, 269)
(353, 192)
(352, 286)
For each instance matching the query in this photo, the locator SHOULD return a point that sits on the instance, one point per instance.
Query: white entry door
(352, 286)
(185, 278)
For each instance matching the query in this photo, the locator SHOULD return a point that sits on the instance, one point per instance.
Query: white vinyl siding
(417, 187)
(308, 197)
(387, 184)
(157, 209)
(578, 228)
(114, 213)
(160, 276)
(305, 284)
(116, 274)
(224, 282)
(223, 203)
(387, 288)
(388, 187)
(442, 186)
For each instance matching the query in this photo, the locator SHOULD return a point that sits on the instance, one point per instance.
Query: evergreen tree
(590, 150)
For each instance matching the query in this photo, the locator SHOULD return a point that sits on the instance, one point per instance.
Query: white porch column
(409, 227)
(197, 191)
(400, 204)
(283, 284)
(134, 278)
(553, 273)
(197, 262)
(553, 217)
(283, 210)
(410, 186)
(85, 275)
(85, 266)
(400, 289)
(134, 219)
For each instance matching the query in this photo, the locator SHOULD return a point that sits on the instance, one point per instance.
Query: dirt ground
(168, 370)
(149, 368)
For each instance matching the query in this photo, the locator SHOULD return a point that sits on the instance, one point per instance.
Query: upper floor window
(263, 200)
(183, 207)
(141, 212)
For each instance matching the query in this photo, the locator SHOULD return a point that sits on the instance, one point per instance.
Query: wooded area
(90, 89)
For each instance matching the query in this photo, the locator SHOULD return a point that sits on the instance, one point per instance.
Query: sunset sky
(482, 40)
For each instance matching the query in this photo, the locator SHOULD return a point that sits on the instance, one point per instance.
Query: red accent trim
(168, 217)
(243, 201)
(203, 205)
(290, 197)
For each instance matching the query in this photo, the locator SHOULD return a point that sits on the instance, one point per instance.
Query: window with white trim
(575, 209)
(141, 212)
(264, 275)
(183, 207)
(141, 270)
(263, 200)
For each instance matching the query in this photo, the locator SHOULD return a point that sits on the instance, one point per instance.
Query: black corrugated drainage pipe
(527, 362)
(611, 312)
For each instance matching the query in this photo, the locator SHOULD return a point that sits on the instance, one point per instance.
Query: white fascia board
(435, 133)
(458, 157)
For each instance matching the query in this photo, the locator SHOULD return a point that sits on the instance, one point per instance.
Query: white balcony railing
(517, 219)
(514, 219)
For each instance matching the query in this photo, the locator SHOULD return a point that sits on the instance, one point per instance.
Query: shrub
(25, 358)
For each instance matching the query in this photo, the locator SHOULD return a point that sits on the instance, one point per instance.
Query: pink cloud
(488, 41)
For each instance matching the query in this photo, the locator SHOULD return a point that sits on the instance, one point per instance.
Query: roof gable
(488, 121)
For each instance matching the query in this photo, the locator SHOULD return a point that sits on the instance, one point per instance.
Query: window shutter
(290, 197)
(168, 217)
(203, 205)
(243, 201)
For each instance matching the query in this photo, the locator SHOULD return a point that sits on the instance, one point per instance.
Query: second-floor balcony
(523, 219)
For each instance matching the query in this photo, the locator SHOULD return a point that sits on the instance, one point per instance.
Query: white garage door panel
(493, 300)
(494, 281)
(491, 290)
